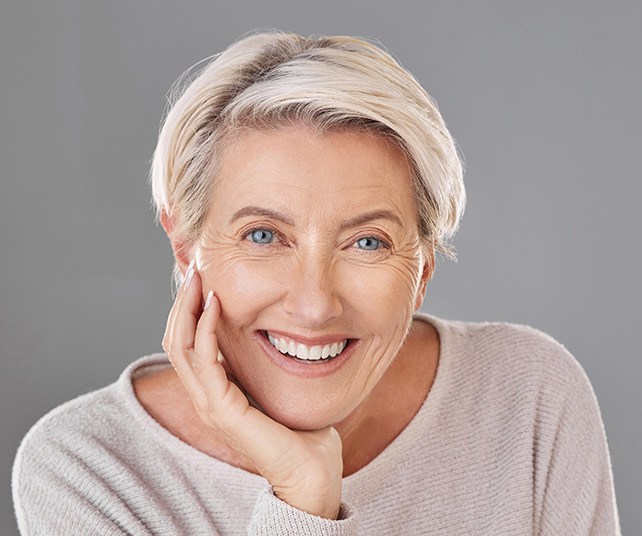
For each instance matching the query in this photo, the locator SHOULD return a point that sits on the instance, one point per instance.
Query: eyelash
(275, 234)
(383, 244)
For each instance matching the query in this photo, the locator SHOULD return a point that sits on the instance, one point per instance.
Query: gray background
(543, 98)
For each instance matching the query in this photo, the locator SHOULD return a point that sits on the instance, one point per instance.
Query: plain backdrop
(542, 97)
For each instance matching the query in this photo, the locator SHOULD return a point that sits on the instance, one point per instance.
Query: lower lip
(305, 369)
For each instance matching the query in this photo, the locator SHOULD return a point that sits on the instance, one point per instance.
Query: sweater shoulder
(516, 348)
(104, 419)
(58, 455)
(102, 415)
(69, 427)
(513, 361)
(85, 458)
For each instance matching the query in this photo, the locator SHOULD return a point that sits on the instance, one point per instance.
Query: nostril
(312, 306)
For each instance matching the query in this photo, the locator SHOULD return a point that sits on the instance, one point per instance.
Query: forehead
(304, 160)
(313, 180)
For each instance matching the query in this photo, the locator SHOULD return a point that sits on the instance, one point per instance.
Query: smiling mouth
(303, 352)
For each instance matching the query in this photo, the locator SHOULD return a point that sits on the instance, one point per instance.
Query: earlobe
(421, 293)
(429, 268)
(181, 253)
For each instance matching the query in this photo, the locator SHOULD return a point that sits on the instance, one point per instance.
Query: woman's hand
(304, 468)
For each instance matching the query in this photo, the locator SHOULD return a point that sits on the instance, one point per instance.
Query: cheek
(243, 285)
(384, 297)
(389, 288)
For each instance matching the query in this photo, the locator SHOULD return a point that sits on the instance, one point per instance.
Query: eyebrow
(253, 210)
(371, 216)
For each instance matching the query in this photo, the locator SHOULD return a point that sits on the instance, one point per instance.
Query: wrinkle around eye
(228, 258)
(240, 240)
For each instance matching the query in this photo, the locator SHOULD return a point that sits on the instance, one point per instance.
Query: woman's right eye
(261, 236)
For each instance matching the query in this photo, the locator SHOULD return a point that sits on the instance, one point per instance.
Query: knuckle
(169, 349)
(198, 364)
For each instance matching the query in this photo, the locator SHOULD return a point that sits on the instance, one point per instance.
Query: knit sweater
(509, 441)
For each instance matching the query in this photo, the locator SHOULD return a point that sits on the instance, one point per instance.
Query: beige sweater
(509, 442)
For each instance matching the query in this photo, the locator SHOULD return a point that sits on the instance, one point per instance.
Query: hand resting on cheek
(304, 468)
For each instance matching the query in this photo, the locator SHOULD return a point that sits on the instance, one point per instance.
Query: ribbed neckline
(189, 453)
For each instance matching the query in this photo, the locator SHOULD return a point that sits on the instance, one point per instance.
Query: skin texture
(313, 236)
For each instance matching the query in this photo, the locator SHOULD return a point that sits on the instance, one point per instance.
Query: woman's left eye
(261, 236)
(370, 243)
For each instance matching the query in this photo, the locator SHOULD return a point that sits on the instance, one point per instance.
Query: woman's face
(311, 244)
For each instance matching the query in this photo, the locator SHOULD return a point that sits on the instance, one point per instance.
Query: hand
(304, 468)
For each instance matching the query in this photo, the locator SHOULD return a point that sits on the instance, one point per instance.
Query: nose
(312, 299)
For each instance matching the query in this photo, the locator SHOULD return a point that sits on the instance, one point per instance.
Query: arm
(272, 516)
(574, 490)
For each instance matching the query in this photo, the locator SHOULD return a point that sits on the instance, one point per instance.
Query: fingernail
(208, 300)
(189, 273)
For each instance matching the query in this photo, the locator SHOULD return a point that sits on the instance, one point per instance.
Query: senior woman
(306, 186)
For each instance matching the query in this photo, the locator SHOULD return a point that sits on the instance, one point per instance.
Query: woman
(305, 186)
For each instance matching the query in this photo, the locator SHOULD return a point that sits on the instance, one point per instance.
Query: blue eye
(369, 243)
(261, 236)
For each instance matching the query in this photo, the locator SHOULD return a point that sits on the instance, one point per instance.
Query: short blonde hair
(273, 79)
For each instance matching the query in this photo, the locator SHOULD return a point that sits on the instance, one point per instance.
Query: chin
(299, 417)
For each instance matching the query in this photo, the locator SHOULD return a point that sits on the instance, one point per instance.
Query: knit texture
(509, 441)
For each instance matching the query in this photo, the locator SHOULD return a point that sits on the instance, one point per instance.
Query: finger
(207, 362)
(205, 341)
(188, 312)
(179, 336)
(171, 319)
(181, 324)
(197, 364)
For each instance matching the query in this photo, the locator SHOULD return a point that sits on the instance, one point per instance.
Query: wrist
(323, 500)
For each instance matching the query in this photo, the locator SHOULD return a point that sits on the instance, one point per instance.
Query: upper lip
(320, 340)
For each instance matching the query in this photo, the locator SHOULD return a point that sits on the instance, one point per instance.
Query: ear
(426, 275)
(181, 252)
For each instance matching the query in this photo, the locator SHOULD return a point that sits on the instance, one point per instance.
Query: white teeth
(315, 353)
(302, 351)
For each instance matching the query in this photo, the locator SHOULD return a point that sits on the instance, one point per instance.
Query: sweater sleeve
(574, 492)
(274, 517)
